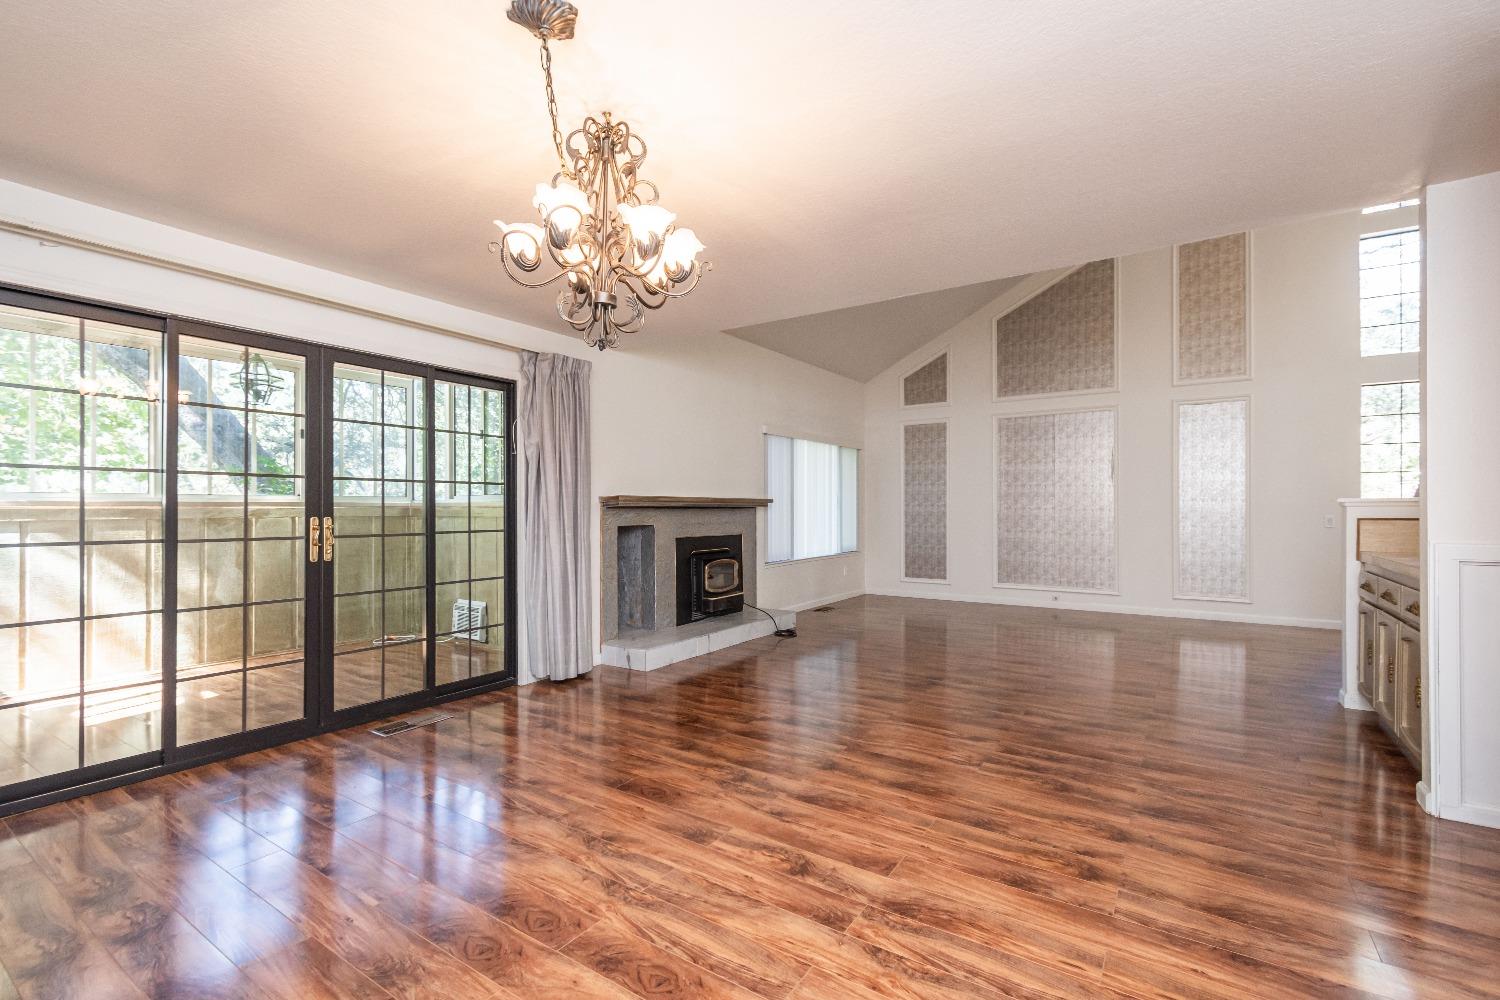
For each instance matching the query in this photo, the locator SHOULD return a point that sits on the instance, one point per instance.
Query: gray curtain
(554, 432)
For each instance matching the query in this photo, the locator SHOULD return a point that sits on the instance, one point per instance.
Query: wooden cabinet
(1367, 652)
(1408, 695)
(1390, 652)
(1386, 631)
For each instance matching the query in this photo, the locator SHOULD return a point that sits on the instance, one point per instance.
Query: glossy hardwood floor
(912, 799)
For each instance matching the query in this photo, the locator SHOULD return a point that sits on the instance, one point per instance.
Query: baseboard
(1354, 701)
(1477, 815)
(1206, 614)
(807, 605)
(1425, 800)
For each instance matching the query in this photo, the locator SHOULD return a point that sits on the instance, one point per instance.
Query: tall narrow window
(1390, 292)
(813, 488)
(1390, 439)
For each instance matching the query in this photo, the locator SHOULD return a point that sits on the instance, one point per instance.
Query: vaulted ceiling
(830, 155)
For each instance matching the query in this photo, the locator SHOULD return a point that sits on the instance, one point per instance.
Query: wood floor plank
(913, 799)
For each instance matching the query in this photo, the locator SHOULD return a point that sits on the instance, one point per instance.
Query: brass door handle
(328, 539)
(312, 539)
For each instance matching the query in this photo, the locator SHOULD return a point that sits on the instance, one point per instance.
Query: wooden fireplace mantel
(635, 501)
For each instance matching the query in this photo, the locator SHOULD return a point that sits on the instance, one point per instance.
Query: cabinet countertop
(1404, 569)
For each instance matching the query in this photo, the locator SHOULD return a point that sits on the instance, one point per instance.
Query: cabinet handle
(1419, 692)
(328, 539)
(1369, 652)
(1414, 609)
(1388, 597)
(1390, 672)
(313, 544)
(1367, 587)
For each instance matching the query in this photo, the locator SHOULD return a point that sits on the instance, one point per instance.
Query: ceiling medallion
(617, 252)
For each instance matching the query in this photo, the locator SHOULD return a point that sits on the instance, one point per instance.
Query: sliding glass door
(418, 479)
(381, 511)
(242, 501)
(82, 548)
(214, 540)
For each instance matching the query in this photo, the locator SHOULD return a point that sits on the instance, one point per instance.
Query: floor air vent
(469, 620)
(407, 725)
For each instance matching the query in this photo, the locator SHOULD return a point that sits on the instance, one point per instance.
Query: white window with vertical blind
(814, 491)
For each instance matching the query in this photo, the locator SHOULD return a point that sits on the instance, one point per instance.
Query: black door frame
(317, 692)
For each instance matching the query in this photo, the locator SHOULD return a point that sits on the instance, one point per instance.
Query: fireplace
(710, 577)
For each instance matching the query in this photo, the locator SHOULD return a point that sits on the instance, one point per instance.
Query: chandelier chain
(557, 141)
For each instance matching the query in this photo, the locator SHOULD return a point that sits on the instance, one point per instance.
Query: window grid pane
(1390, 293)
(1390, 439)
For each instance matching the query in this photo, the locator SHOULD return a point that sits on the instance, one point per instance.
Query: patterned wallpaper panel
(1213, 329)
(1055, 500)
(1063, 340)
(1212, 499)
(928, 384)
(925, 471)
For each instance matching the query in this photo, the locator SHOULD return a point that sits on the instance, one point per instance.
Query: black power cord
(784, 633)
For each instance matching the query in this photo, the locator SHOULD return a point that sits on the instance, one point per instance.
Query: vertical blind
(814, 491)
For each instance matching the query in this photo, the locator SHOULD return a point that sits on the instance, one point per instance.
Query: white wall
(672, 415)
(1304, 451)
(1461, 496)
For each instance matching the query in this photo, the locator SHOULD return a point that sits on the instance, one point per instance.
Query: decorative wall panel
(1213, 473)
(1213, 316)
(1063, 340)
(1055, 500)
(928, 384)
(925, 472)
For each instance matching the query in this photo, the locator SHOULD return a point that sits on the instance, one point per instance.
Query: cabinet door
(1366, 651)
(1386, 634)
(1408, 693)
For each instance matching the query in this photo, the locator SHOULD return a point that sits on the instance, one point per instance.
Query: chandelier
(602, 234)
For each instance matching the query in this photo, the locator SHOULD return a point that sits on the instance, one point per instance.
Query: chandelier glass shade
(614, 252)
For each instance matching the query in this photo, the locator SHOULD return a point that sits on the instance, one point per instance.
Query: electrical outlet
(1328, 521)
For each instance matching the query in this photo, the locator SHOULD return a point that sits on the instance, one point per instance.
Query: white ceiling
(860, 342)
(830, 155)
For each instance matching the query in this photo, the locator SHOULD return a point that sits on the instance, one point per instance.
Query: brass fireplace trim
(707, 590)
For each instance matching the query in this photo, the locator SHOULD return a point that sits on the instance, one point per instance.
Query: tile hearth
(640, 649)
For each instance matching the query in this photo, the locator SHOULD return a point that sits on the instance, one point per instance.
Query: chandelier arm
(688, 284)
(505, 262)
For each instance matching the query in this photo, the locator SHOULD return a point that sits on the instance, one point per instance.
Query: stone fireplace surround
(638, 577)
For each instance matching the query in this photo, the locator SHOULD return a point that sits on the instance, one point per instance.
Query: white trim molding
(947, 456)
(1177, 405)
(928, 357)
(1177, 380)
(1044, 283)
(1197, 614)
(1463, 741)
(1113, 410)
